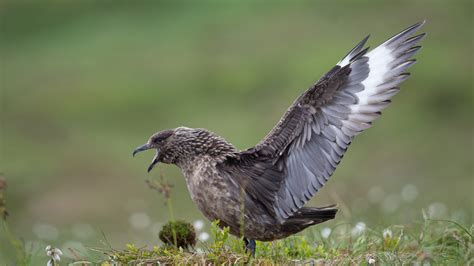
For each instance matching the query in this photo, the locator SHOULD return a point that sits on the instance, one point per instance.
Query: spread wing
(301, 152)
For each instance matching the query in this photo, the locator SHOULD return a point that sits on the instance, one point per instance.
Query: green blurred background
(83, 83)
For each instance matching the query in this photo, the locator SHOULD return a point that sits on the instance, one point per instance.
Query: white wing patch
(386, 64)
(379, 59)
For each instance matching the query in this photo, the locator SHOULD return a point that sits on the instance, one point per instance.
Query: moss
(185, 234)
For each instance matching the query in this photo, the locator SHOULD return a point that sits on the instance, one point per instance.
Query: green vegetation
(434, 242)
(179, 234)
(85, 82)
(441, 242)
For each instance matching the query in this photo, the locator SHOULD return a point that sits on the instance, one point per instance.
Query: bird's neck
(204, 144)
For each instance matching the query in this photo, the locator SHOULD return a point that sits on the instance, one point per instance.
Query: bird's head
(182, 144)
(163, 143)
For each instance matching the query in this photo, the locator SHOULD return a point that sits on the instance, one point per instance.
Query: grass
(432, 241)
(440, 242)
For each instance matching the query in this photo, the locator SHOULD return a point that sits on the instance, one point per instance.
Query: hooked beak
(155, 158)
(144, 147)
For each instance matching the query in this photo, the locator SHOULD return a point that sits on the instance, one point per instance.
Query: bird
(260, 193)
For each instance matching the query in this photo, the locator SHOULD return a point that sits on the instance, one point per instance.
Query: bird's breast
(220, 198)
(211, 192)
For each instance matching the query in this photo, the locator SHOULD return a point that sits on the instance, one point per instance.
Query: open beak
(154, 161)
(155, 158)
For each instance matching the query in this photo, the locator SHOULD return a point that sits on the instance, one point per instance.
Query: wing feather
(302, 151)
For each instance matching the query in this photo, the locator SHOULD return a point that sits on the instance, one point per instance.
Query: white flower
(54, 253)
(326, 232)
(198, 225)
(358, 229)
(387, 233)
(370, 259)
(203, 236)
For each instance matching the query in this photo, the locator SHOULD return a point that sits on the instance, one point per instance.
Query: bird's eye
(161, 136)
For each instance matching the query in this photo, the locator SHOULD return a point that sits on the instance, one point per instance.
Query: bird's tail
(308, 216)
(315, 215)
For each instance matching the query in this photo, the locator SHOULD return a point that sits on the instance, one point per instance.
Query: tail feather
(315, 215)
(307, 216)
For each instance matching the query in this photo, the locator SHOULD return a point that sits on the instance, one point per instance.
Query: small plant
(22, 258)
(224, 250)
(181, 234)
(220, 237)
(390, 242)
(3, 202)
(164, 188)
(54, 254)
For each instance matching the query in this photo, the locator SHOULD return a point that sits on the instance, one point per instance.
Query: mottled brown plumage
(260, 192)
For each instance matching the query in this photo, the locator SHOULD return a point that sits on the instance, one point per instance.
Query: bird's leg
(250, 246)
